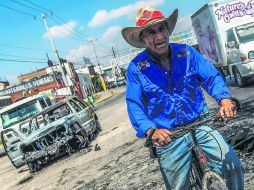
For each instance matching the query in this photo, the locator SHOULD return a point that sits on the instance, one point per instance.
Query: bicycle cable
(209, 132)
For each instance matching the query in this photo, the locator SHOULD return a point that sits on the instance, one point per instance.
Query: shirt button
(166, 73)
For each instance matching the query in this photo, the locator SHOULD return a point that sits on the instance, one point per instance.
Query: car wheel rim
(251, 55)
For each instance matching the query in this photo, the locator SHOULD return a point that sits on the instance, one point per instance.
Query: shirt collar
(154, 59)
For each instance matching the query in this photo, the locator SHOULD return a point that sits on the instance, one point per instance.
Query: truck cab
(13, 119)
(240, 43)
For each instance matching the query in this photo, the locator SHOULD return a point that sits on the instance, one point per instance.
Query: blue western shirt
(157, 98)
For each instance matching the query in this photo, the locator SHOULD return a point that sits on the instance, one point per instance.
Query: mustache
(160, 42)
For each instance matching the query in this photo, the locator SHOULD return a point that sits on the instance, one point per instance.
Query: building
(184, 37)
(85, 75)
(48, 80)
(4, 84)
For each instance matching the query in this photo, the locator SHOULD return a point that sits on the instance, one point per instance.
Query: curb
(106, 98)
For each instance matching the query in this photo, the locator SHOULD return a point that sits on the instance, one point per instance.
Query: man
(90, 99)
(164, 91)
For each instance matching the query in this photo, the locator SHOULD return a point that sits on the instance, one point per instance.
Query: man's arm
(137, 115)
(212, 81)
(135, 107)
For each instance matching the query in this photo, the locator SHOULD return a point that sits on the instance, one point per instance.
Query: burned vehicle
(65, 127)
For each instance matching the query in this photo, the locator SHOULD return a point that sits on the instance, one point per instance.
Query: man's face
(156, 38)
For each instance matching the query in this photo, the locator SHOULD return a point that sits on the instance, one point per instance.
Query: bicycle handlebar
(180, 131)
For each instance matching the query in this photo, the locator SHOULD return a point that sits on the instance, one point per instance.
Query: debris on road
(97, 147)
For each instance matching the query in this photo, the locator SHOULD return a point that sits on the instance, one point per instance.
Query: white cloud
(103, 45)
(111, 34)
(183, 23)
(61, 31)
(76, 54)
(102, 16)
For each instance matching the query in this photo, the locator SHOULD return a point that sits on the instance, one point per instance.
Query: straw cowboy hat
(146, 17)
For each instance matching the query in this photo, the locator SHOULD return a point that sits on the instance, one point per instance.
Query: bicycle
(202, 177)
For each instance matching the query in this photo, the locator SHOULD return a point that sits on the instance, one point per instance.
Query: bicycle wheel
(195, 177)
(213, 181)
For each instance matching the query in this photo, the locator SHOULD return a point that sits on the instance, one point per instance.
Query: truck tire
(222, 73)
(239, 80)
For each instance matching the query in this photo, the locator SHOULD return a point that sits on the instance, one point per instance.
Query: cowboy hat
(146, 17)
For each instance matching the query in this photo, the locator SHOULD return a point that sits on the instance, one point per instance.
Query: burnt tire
(213, 181)
(33, 166)
(98, 126)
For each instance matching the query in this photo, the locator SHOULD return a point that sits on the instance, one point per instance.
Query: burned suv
(65, 127)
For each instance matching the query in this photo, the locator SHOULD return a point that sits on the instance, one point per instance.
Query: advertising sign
(28, 85)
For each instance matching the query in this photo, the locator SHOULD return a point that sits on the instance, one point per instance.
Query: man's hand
(227, 108)
(161, 137)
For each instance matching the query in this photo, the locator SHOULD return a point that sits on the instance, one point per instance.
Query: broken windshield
(50, 116)
(19, 114)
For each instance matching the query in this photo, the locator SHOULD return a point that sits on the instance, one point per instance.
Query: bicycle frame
(199, 162)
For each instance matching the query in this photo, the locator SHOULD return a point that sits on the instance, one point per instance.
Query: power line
(56, 16)
(73, 28)
(19, 47)
(71, 35)
(21, 56)
(23, 61)
(38, 6)
(16, 10)
(26, 6)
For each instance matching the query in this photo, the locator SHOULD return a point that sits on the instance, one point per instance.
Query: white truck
(225, 35)
(11, 118)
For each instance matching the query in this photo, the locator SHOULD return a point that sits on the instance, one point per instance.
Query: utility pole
(50, 66)
(114, 53)
(54, 49)
(114, 66)
(92, 41)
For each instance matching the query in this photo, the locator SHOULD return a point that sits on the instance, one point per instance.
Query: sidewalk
(102, 96)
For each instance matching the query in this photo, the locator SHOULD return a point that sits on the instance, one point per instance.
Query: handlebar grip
(237, 104)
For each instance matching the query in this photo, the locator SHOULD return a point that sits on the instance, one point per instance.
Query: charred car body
(62, 128)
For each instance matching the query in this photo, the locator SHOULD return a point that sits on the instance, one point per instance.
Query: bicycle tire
(213, 181)
(193, 180)
(195, 177)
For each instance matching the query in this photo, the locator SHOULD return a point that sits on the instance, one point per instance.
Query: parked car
(65, 127)
(111, 84)
(121, 81)
(10, 119)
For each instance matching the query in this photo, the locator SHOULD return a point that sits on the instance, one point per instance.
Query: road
(122, 162)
